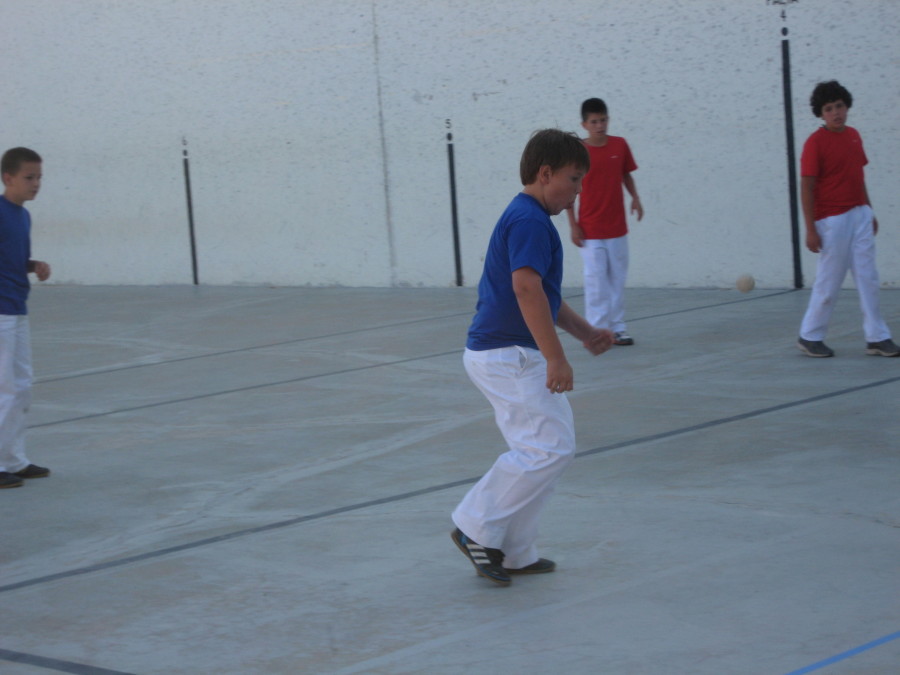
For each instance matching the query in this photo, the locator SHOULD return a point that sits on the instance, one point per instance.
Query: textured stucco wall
(317, 131)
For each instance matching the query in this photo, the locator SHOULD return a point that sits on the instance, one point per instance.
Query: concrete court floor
(259, 480)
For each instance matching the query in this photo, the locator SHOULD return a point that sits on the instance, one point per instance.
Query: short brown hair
(554, 148)
(593, 106)
(14, 158)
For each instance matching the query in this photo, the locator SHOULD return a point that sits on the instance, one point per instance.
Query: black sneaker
(33, 471)
(488, 561)
(815, 348)
(542, 566)
(623, 339)
(9, 480)
(883, 348)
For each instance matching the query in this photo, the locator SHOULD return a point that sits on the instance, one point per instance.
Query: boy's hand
(637, 208)
(41, 270)
(599, 341)
(560, 377)
(813, 241)
(577, 235)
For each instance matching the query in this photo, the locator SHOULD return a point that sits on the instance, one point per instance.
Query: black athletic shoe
(883, 348)
(8, 480)
(488, 561)
(815, 348)
(542, 566)
(33, 471)
(623, 339)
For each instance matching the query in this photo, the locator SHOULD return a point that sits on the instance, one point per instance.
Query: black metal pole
(190, 213)
(791, 156)
(456, 253)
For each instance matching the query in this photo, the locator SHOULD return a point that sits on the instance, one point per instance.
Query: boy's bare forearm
(595, 340)
(572, 322)
(808, 201)
(630, 185)
(636, 206)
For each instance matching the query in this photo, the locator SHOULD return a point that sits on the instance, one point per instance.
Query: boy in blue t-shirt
(21, 172)
(514, 356)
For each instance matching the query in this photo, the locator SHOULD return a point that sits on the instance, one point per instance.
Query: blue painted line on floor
(847, 654)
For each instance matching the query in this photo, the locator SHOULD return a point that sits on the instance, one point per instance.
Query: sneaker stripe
(482, 558)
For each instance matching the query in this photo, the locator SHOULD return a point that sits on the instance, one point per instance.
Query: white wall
(316, 131)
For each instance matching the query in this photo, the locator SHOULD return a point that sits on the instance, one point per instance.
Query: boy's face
(561, 187)
(834, 115)
(595, 125)
(24, 184)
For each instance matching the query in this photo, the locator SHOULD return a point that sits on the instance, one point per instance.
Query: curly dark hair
(829, 92)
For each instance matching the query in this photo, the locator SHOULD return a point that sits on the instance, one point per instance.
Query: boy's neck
(597, 142)
(534, 190)
(12, 200)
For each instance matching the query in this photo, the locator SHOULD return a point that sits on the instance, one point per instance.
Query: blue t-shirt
(15, 252)
(523, 237)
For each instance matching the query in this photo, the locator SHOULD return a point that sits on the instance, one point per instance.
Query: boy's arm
(535, 310)
(576, 232)
(595, 340)
(636, 206)
(808, 202)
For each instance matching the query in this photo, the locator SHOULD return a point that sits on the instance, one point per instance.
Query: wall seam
(392, 253)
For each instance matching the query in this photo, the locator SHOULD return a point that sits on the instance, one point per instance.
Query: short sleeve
(529, 245)
(809, 158)
(628, 164)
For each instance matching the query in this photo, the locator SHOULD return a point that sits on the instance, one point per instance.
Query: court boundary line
(268, 527)
(358, 331)
(301, 378)
(58, 665)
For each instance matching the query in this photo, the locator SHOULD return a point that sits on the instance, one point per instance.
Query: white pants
(15, 390)
(502, 509)
(605, 270)
(848, 243)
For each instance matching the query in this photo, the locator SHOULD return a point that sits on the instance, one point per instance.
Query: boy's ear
(545, 173)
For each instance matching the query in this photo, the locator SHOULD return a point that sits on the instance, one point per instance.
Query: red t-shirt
(601, 207)
(836, 160)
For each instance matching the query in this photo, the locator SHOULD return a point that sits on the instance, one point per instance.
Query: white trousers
(502, 509)
(15, 390)
(605, 270)
(848, 243)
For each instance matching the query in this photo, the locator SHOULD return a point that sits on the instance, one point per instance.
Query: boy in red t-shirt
(601, 228)
(840, 225)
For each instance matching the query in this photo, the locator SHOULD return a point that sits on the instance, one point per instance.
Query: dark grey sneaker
(488, 561)
(623, 339)
(33, 471)
(883, 348)
(542, 566)
(9, 480)
(815, 348)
